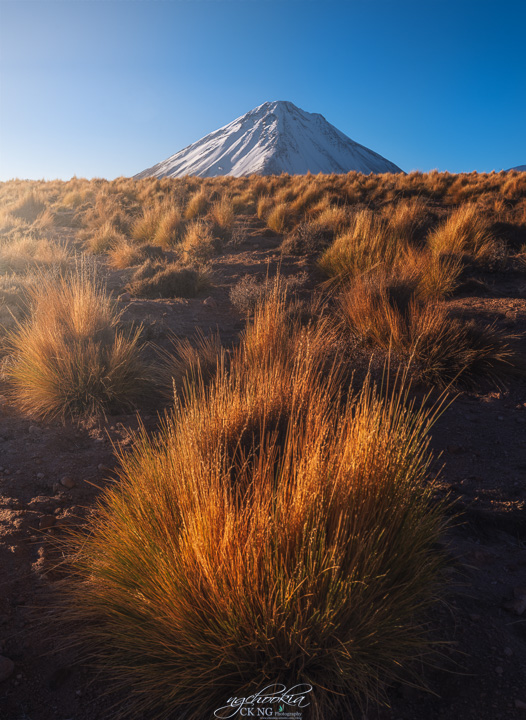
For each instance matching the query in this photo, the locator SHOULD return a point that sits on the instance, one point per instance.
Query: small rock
(67, 482)
(46, 522)
(100, 466)
(125, 297)
(7, 667)
(210, 302)
(34, 430)
(40, 476)
(508, 651)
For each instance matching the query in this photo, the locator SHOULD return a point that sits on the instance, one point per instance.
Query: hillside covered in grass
(255, 431)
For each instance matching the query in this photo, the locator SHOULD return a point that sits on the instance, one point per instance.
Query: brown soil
(51, 475)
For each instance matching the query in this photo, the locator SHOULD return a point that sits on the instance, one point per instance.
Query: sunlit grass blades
(269, 533)
(70, 358)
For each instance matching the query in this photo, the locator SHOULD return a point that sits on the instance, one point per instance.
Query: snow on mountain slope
(273, 138)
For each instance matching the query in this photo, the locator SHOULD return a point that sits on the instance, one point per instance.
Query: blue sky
(102, 88)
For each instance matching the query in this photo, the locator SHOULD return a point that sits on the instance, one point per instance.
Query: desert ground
(187, 260)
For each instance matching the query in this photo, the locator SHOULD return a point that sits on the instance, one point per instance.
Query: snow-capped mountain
(273, 138)
(520, 168)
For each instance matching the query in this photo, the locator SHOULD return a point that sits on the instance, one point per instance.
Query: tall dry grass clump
(70, 358)
(145, 226)
(409, 219)
(170, 227)
(269, 533)
(279, 218)
(197, 205)
(29, 206)
(199, 244)
(222, 213)
(366, 244)
(465, 232)
(387, 313)
(103, 238)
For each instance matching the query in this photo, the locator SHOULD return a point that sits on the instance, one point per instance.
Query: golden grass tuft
(29, 206)
(199, 245)
(465, 232)
(170, 228)
(279, 219)
(144, 228)
(366, 244)
(103, 239)
(222, 213)
(124, 255)
(441, 350)
(70, 358)
(269, 533)
(197, 205)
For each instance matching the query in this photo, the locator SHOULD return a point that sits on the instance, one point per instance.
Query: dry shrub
(199, 244)
(70, 358)
(170, 227)
(26, 253)
(440, 349)
(409, 220)
(222, 213)
(465, 232)
(366, 244)
(104, 239)
(167, 280)
(336, 218)
(439, 275)
(244, 203)
(447, 350)
(76, 198)
(268, 534)
(279, 219)
(265, 205)
(197, 205)
(190, 362)
(307, 238)
(250, 292)
(13, 303)
(9, 222)
(125, 255)
(144, 228)
(29, 206)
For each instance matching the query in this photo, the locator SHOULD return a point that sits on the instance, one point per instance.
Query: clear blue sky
(102, 88)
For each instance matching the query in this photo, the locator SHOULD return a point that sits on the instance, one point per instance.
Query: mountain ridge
(272, 138)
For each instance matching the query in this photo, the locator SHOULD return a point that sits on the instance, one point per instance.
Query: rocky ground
(51, 474)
